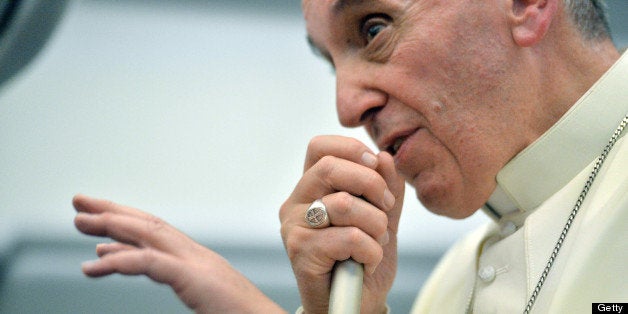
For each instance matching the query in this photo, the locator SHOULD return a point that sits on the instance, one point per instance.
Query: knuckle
(106, 222)
(326, 166)
(316, 148)
(293, 246)
(381, 223)
(354, 144)
(155, 224)
(355, 236)
(373, 179)
(343, 203)
(106, 217)
(327, 161)
(315, 143)
(284, 211)
(148, 256)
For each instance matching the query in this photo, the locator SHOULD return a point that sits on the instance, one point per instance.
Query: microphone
(346, 287)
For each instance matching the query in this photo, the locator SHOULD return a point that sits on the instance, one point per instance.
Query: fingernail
(369, 159)
(389, 199)
(383, 240)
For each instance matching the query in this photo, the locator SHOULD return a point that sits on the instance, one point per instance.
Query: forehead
(326, 17)
(336, 7)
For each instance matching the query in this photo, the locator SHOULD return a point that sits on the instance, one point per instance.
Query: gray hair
(590, 18)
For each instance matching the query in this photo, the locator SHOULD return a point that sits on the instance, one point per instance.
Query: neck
(564, 69)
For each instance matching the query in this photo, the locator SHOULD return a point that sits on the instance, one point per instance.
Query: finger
(386, 167)
(341, 147)
(323, 247)
(103, 249)
(141, 232)
(344, 209)
(332, 174)
(364, 249)
(396, 184)
(84, 203)
(158, 266)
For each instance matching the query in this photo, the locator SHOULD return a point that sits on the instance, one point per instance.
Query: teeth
(397, 144)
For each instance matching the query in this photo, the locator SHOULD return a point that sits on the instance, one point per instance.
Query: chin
(443, 202)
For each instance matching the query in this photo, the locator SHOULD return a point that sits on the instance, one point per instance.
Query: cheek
(459, 176)
(431, 168)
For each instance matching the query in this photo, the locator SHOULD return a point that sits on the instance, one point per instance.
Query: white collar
(549, 163)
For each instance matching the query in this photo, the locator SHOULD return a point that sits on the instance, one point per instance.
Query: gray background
(197, 111)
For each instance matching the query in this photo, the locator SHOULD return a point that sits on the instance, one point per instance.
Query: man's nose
(357, 96)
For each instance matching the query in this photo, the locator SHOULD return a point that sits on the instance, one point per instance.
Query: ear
(531, 19)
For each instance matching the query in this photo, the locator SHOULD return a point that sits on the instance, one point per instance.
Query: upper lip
(387, 141)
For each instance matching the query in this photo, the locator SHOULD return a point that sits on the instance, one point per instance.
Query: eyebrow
(338, 8)
(343, 5)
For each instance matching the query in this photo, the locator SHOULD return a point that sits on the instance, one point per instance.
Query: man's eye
(373, 30)
(372, 26)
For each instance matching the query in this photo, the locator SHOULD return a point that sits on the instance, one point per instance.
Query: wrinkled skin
(449, 91)
(405, 88)
(452, 90)
(438, 74)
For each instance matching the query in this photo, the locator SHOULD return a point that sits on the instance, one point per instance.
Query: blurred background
(196, 111)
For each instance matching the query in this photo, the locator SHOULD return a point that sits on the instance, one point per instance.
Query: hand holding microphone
(347, 235)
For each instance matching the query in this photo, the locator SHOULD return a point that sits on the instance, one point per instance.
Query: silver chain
(574, 211)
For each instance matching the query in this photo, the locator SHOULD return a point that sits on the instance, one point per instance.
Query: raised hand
(146, 245)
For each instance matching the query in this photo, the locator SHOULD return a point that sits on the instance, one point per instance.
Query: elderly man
(499, 105)
(480, 104)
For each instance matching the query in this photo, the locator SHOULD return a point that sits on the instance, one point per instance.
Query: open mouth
(394, 148)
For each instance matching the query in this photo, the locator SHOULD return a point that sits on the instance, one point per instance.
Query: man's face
(431, 82)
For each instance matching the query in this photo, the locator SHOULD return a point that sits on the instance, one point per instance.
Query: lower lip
(400, 155)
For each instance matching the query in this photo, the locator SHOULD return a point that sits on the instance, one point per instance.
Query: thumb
(396, 185)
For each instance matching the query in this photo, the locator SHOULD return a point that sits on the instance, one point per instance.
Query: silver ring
(316, 215)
